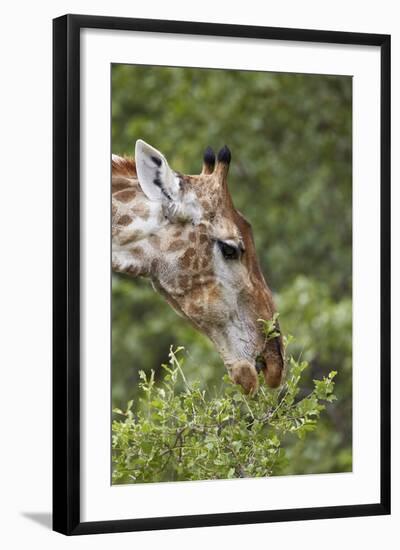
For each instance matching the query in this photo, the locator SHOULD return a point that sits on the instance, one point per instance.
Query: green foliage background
(290, 137)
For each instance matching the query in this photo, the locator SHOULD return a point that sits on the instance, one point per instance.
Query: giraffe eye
(229, 251)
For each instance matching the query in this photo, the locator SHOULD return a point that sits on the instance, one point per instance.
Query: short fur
(172, 238)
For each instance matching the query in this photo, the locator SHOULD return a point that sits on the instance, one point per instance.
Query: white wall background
(25, 289)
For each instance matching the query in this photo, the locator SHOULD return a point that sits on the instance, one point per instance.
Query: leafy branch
(189, 435)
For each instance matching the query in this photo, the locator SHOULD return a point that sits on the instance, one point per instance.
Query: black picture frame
(66, 273)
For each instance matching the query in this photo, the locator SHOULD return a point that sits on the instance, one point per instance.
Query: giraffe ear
(156, 178)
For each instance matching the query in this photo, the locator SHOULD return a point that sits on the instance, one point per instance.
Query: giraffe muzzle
(270, 362)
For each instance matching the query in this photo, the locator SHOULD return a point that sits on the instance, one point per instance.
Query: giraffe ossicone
(184, 234)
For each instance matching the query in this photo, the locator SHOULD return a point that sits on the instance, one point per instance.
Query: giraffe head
(184, 233)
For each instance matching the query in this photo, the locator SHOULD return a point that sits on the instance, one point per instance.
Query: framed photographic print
(221, 274)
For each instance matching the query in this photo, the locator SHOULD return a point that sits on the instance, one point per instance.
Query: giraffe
(184, 234)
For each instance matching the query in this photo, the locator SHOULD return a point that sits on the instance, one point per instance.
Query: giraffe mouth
(260, 364)
(270, 363)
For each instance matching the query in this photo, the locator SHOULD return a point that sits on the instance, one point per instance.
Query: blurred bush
(290, 136)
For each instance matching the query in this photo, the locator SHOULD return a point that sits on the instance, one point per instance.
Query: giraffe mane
(123, 166)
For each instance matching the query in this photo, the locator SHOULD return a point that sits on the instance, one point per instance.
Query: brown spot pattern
(205, 262)
(183, 281)
(126, 195)
(176, 245)
(195, 265)
(119, 183)
(138, 251)
(195, 309)
(186, 259)
(124, 220)
(213, 294)
(203, 238)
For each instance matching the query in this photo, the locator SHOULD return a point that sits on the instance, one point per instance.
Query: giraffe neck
(136, 221)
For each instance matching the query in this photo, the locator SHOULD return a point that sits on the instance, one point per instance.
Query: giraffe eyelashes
(230, 251)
